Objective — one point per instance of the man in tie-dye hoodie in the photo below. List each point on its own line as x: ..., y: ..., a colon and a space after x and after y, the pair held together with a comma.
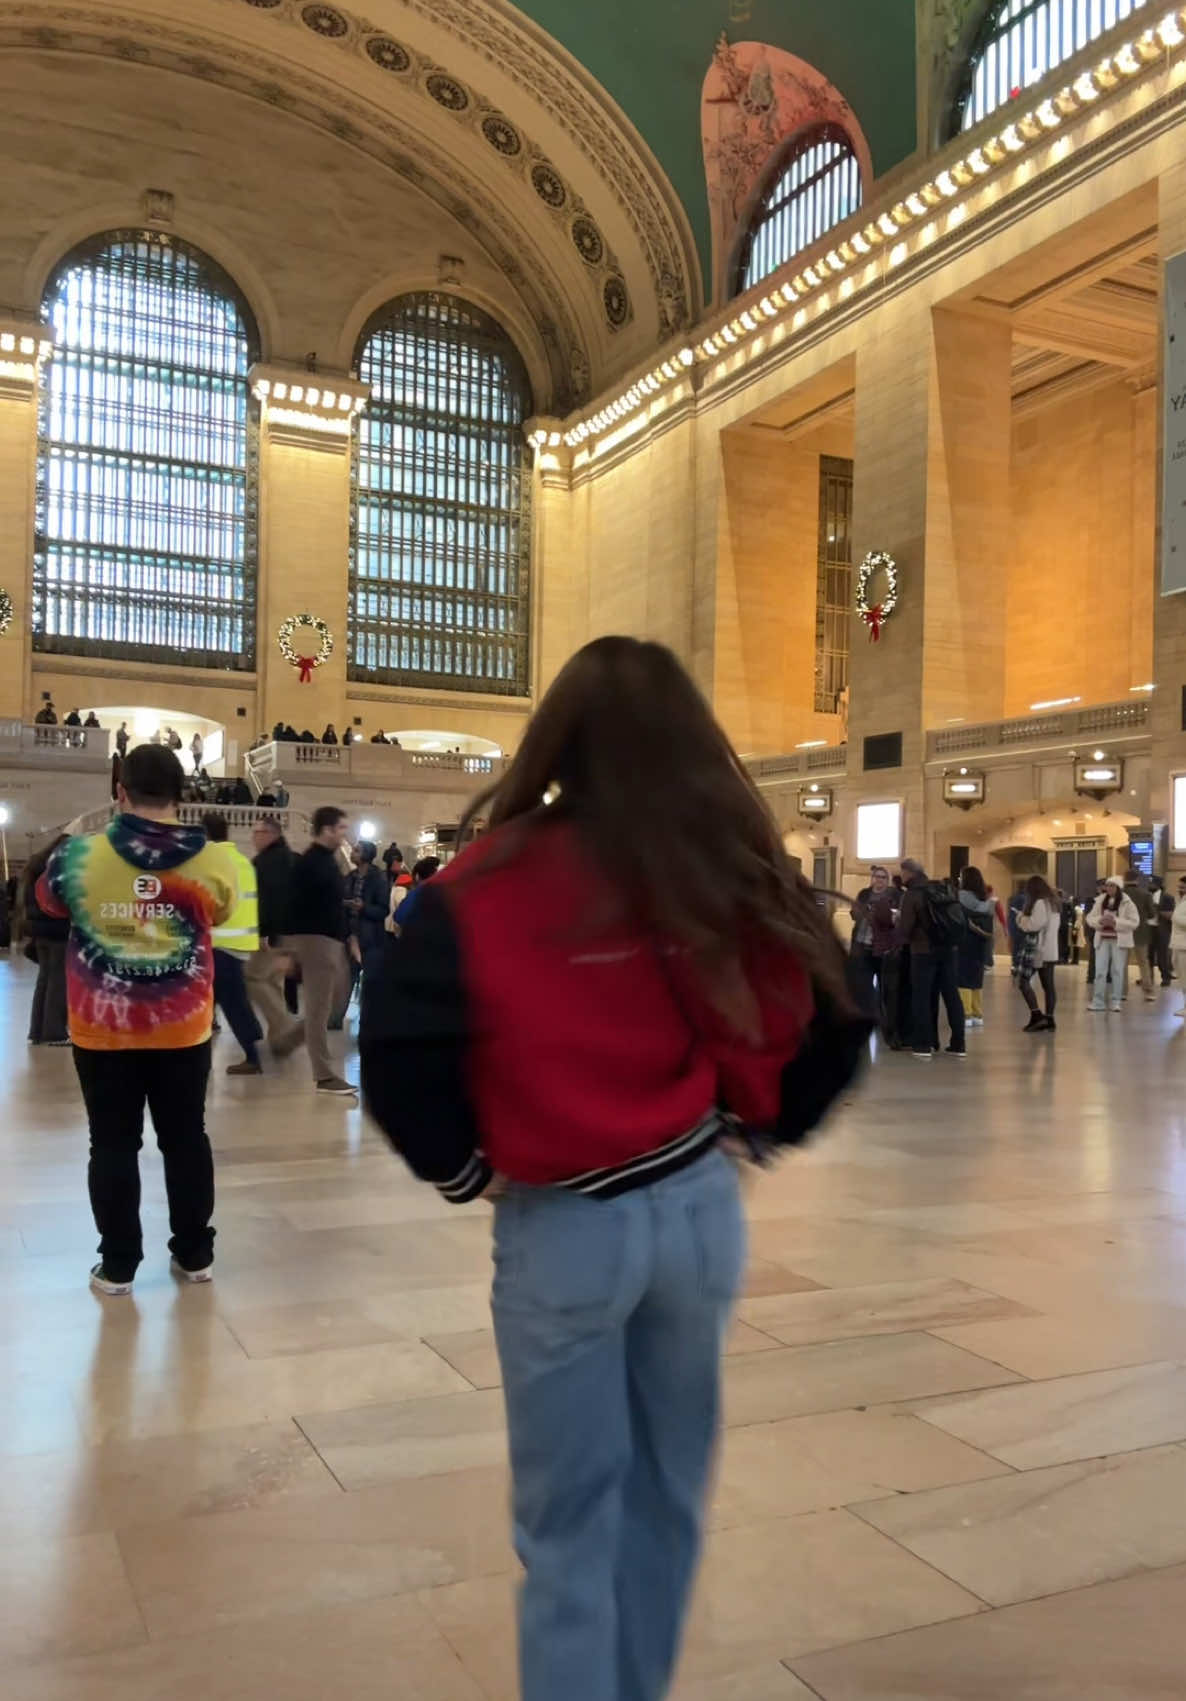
x: 142, y: 897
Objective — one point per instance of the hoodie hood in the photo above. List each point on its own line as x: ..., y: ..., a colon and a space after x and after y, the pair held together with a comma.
x: 154, y: 844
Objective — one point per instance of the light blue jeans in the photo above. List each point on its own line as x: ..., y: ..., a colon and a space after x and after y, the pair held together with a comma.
x: 610, y: 1317
x: 1109, y: 958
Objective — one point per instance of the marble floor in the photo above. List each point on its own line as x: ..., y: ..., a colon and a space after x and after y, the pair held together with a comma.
x: 956, y: 1458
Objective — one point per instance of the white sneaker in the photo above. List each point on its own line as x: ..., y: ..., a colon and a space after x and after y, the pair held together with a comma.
x: 102, y: 1283
x: 206, y: 1275
x: 921, y: 1056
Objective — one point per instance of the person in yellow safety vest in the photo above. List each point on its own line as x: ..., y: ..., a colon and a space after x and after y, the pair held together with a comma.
x: 234, y: 942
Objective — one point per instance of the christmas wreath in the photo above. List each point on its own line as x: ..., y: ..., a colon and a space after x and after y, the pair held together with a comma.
x: 5, y: 612
x: 292, y: 656
x: 875, y: 614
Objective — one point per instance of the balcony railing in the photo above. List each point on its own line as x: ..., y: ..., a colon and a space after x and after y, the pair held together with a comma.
x: 376, y: 764
x: 1127, y: 719
x: 769, y: 770
x: 28, y: 739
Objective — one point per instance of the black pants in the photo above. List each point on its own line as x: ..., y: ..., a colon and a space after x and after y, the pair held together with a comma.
x: 230, y: 994
x: 47, y: 1018
x: 1045, y: 979
x: 893, y: 979
x: 862, y: 978
x: 932, y: 977
x: 116, y: 1085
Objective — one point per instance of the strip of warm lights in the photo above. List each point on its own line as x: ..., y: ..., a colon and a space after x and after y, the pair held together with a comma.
x: 1055, y: 703
x: 1138, y: 57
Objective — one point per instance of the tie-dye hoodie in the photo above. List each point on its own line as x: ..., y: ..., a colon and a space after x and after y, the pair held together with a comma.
x: 141, y: 897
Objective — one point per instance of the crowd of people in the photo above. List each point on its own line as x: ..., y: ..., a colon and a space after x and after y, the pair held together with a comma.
x: 918, y: 944
x: 282, y: 733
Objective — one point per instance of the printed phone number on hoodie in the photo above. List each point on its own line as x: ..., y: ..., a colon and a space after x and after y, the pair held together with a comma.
x: 137, y: 912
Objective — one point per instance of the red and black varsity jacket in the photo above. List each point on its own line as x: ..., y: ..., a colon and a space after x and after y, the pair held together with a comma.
x: 507, y: 1033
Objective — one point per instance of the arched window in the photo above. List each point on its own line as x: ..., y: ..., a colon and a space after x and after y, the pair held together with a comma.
x: 146, y: 502
x: 815, y: 185
x: 1020, y: 41
x: 440, y: 535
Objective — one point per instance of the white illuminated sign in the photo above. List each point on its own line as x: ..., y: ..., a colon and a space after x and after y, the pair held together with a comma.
x: 879, y: 832
x: 1179, y: 812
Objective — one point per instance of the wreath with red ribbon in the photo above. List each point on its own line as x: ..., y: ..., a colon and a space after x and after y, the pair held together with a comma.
x: 305, y: 663
x: 875, y: 614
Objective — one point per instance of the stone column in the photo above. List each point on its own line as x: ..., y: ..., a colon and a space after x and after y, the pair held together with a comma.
x: 559, y: 572
x: 931, y: 487
x: 24, y: 344
x: 1169, y: 613
x: 306, y: 433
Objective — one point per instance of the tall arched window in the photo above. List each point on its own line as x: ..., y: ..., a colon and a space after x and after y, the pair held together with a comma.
x: 146, y: 505
x: 1020, y: 41
x: 815, y: 185
x: 439, y: 582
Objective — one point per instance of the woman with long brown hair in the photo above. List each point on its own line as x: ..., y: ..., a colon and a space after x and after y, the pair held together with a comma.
x: 1038, y: 924
x: 621, y: 975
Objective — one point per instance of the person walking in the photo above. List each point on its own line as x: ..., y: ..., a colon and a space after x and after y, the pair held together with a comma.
x: 236, y: 941
x: 1039, y: 922
x: 142, y: 898
x: 1178, y: 943
x: 1114, y: 920
x: 574, y: 1000
x: 196, y: 748
x: 366, y: 904
x: 1136, y: 888
x: 928, y: 929
x: 266, y: 969
x: 48, y: 935
x: 317, y: 939
x: 400, y: 877
x: 975, y: 948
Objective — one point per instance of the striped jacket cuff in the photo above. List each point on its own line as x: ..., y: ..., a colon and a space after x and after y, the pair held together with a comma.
x: 469, y: 1182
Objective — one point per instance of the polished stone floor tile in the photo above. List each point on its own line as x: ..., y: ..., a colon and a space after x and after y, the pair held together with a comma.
x: 415, y: 1438
x: 1044, y: 1531
x: 57, y: 1598
x: 1090, y: 1337
x: 1121, y: 1641
x: 393, y: 1539
x: 774, y: 1470
x: 381, y: 1650
x: 768, y: 1682
x: 1070, y: 1417
x: 792, y: 1381
x: 157, y: 1479
x: 886, y: 1308
x: 789, y: 1585
x: 275, y: 1330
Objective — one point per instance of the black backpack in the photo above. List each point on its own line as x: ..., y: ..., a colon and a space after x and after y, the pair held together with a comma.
x: 944, y: 917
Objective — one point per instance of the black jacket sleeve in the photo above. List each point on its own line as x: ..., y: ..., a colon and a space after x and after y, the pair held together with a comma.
x: 413, y: 1045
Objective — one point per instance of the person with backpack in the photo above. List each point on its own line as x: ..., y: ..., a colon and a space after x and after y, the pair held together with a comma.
x: 582, y: 1008
x: 1039, y: 922
x: 974, y: 951
x: 931, y: 925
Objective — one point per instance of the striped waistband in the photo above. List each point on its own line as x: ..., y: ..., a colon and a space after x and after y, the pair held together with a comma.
x: 650, y: 1166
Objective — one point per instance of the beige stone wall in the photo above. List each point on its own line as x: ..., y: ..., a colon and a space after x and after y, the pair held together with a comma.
x: 1075, y: 597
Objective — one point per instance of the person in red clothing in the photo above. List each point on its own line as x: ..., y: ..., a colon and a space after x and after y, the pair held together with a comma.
x: 623, y: 979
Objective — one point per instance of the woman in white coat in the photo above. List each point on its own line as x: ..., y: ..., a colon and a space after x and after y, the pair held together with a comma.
x: 1038, y: 924
x: 1178, y: 943
x: 1114, y: 920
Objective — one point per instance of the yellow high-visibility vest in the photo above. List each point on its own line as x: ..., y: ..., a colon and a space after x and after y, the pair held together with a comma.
x: 240, y: 930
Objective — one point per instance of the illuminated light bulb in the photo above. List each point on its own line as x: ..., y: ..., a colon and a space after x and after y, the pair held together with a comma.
x: 1047, y: 117
x: 7, y: 341
x: 833, y: 261
x: 978, y: 162
x: 280, y: 391
x: 1105, y: 74
x: 898, y: 253
x: 789, y: 293
x: 554, y: 439
x: 28, y: 346
x: 262, y: 389
x: 946, y: 185
x: 812, y: 276
x: 1169, y: 31
x: 1127, y: 62
x: 859, y: 243
x: 917, y: 205
x: 1085, y: 89
x: 1012, y: 139
x: 886, y: 225
x: 329, y: 398
x: 296, y: 392
x: 686, y: 357
x: 345, y: 403
x: 312, y: 397
x: 748, y: 320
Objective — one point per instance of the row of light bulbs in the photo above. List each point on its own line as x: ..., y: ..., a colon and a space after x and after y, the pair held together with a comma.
x: 1146, y: 50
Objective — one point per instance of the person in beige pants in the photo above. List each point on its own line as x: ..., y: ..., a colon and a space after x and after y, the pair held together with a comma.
x: 316, y: 937
x: 265, y: 969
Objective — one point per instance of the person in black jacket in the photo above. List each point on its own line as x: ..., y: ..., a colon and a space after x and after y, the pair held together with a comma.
x: 329, y: 736
x: 366, y: 915
x: 264, y: 970
x: 48, y: 934
x: 316, y: 937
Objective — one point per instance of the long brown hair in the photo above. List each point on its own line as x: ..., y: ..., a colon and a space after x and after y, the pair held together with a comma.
x: 1036, y: 889
x: 627, y: 750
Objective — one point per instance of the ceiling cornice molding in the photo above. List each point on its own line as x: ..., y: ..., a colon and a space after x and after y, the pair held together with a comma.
x: 148, y: 40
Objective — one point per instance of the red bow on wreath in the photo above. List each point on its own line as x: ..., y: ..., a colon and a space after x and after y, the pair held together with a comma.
x: 875, y: 620
x: 306, y: 665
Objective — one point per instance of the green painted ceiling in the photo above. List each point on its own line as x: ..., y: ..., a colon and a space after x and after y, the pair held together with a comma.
x: 652, y: 56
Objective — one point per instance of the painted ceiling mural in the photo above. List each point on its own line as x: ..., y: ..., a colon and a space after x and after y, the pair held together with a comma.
x: 652, y: 57
x: 755, y: 97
